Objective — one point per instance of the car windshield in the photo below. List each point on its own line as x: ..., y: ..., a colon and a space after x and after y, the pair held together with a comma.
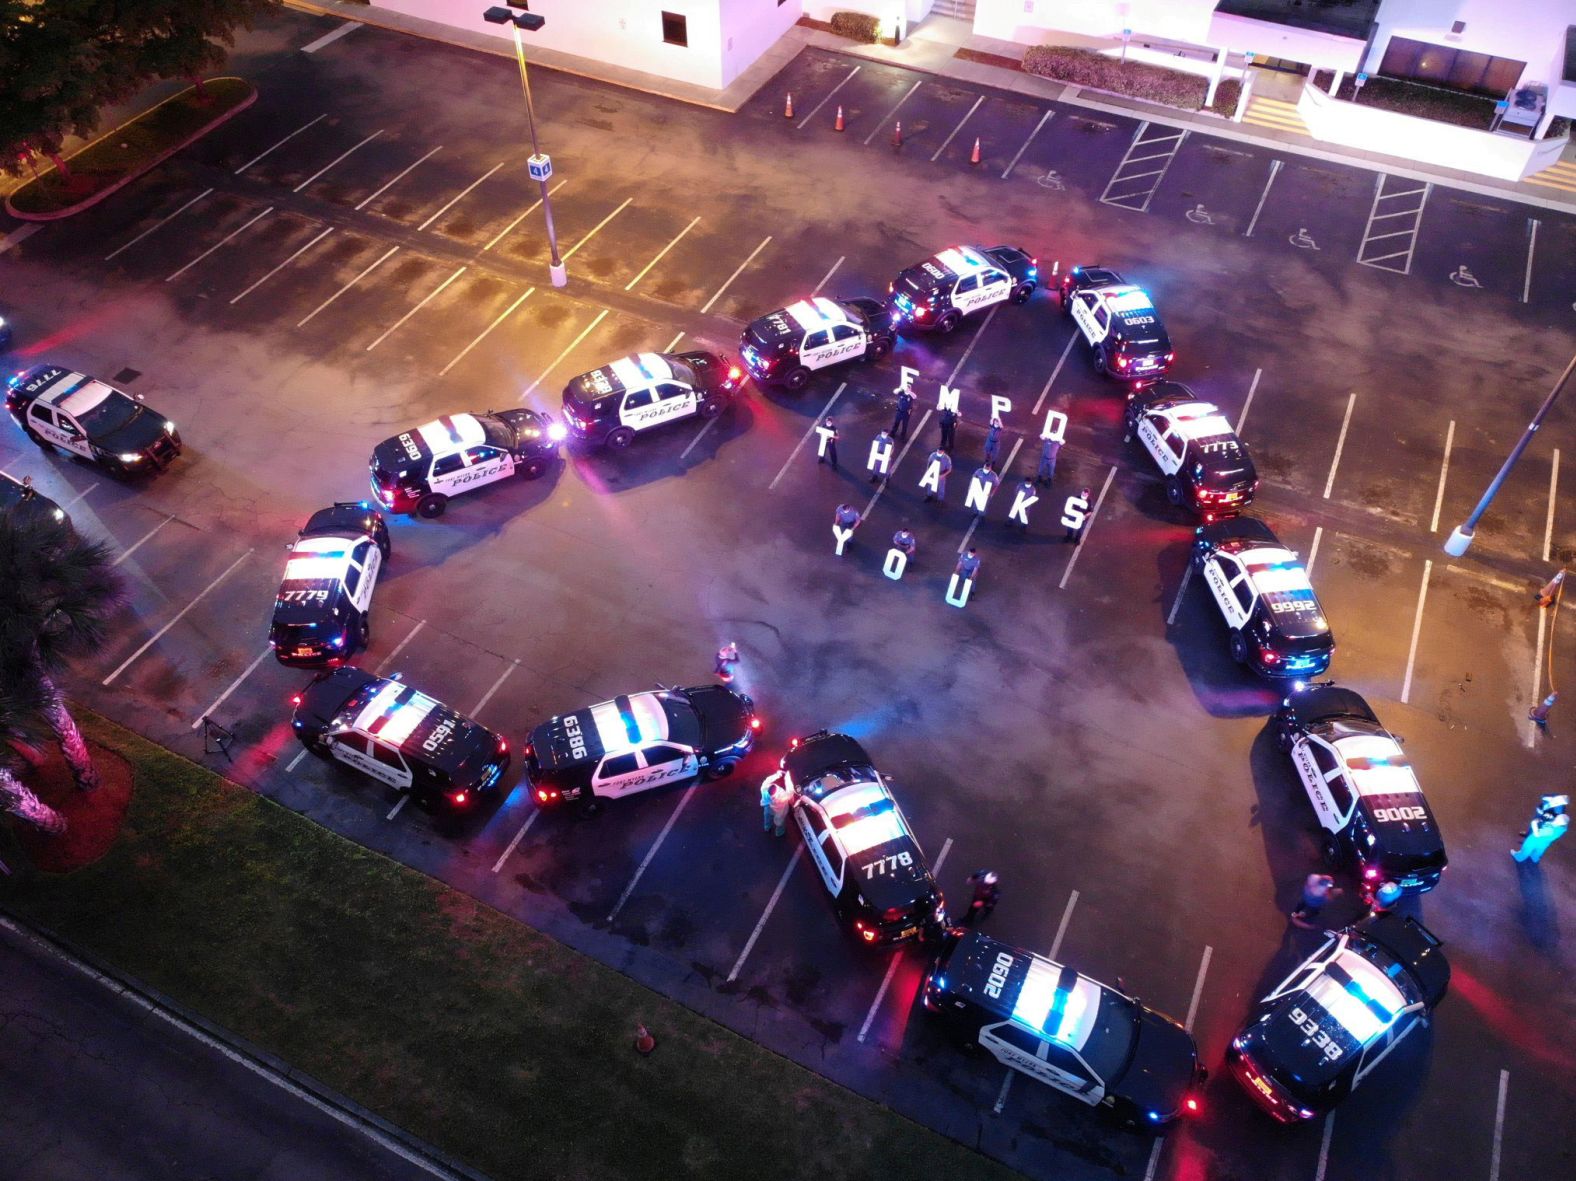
x: 114, y: 412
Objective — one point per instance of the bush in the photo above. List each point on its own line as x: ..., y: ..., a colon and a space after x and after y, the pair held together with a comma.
x: 1226, y: 96
x: 1558, y: 127
x: 1414, y: 98
x: 1084, y: 67
x: 857, y: 26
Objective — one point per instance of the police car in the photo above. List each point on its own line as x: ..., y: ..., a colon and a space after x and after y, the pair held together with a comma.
x: 323, y: 611
x: 22, y: 502
x: 861, y: 843
x: 1064, y: 1029
x: 1323, y: 1030
x: 1206, y: 467
x: 390, y: 732
x: 933, y: 296
x: 1277, y: 627
x: 1362, y: 787
x: 56, y: 407
x: 611, y: 405
x: 635, y: 743
x: 786, y: 346
x: 1119, y: 322
x: 419, y: 470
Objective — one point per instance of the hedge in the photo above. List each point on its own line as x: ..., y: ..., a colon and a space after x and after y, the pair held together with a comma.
x: 857, y: 26
x: 1084, y: 67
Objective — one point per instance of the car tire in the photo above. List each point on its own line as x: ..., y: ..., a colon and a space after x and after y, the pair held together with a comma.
x: 1175, y: 493
x: 713, y: 406
x: 879, y: 347
x: 798, y: 377
x: 1064, y: 301
x: 319, y: 750
x: 1239, y: 647
x: 1283, y: 738
x: 619, y: 438
x: 721, y: 769
x: 588, y: 807
x: 533, y: 468
x: 1100, y: 365
x: 1021, y: 293
x: 948, y: 323
x: 1330, y: 849
x: 432, y: 505
x: 364, y: 632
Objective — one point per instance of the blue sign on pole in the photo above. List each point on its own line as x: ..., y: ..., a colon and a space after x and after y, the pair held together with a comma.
x: 540, y: 167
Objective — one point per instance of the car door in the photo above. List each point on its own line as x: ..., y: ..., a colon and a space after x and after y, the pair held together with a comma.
x: 1032, y: 1053
x: 674, y: 401
x: 665, y: 763
x: 638, y: 410
x: 370, y: 758
x: 616, y: 775
x: 484, y: 464
x: 1085, y: 304
x: 995, y: 286
x: 366, y: 560
x: 812, y: 823
x: 447, y: 475
x: 816, y: 351
x: 1339, y: 800
x: 1157, y: 434
x: 1220, y: 572
x: 966, y: 294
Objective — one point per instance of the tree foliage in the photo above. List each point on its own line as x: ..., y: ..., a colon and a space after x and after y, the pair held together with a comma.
x: 63, y: 61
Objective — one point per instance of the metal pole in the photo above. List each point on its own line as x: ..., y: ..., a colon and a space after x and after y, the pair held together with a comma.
x: 559, y: 272
x: 1461, y: 537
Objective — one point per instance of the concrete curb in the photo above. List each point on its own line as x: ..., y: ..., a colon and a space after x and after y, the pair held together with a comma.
x: 57, y: 214
x: 259, y: 1061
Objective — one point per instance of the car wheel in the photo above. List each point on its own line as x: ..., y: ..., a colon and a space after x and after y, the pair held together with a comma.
x: 1283, y: 738
x: 533, y: 469
x: 620, y: 437
x: 1330, y: 849
x: 588, y: 807
x: 1174, y: 491
x: 879, y: 348
x: 319, y: 749
x: 797, y: 379
x: 948, y: 323
x: 385, y: 549
x: 1100, y: 365
x: 713, y: 406
x: 1021, y: 293
x: 721, y: 769
x: 432, y: 504
x: 1239, y: 647
x: 364, y: 632
x: 1064, y: 301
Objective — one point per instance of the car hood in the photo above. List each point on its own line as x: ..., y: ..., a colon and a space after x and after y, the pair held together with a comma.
x: 1162, y: 1068
x: 139, y: 432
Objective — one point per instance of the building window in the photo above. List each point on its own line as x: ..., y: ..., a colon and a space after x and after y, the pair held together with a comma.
x: 675, y: 28
x: 1459, y: 27
x: 1457, y: 69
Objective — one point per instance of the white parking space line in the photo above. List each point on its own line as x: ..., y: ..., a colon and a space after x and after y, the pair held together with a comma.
x: 400, y: 647
x: 569, y: 348
x: 828, y: 97
x: 1088, y: 525
x: 181, y: 614
x: 136, y: 545
x: 398, y: 176
x: 897, y: 956
x: 1055, y: 373
x: 529, y: 209
x: 313, y: 313
x: 1499, y: 1126
x: 234, y: 685
x: 482, y: 335
x: 1324, y: 1147
x: 425, y: 300
x: 1444, y: 470
x: 1001, y: 1095
x: 291, y: 766
x: 19, y: 235
x: 283, y: 265
x: 882, y: 122
x: 330, y: 38
x: 1018, y: 155
x: 677, y: 238
x: 1548, y: 524
x: 1252, y: 389
x: 518, y: 837
x: 1198, y: 988
x: 689, y: 794
x: 1380, y: 261
x: 90, y: 487
x: 914, y: 435
x: 1176, y: 604
x: 974, y: 524
x: 1154, y: 1158
x: 699, y: 435
x: 1532, y: 246
x: 1340, y: 444
x: 1417, y: 628
x: 336, y: 160
x: 270, y: 151
x: 957, y: 129
x: 395, y: 810
x: 496, y: 685
x: 568, y: 253
x: 674, y: 343
x: 162, y: 221
x: 1313, y: 551
x: 1529, y: 734
x: 455, y: 200
x: 764, y: 243
x: 805, y: 438
x: 1124, y: 178
x: 771, y: 905
x: 827, y: 278
x: 1275, y: 167
x: 1061, y: 928
x: 221, y: 242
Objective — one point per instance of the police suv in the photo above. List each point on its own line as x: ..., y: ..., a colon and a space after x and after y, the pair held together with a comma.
x: 1207, y: 469
x: 861, y: 843
x: 22, y: 502
x: 786, y: 346
x: 388, y: 731
x: 635, y: 743
x: 1277, y: 627
x: 1323, y: 1030
x: 1119, y: 322
x: 1362, y: 787
x: 1062, y: 1028
x: 56, y: 407
x: 933, y: 296
x: 611, y: 405
x: 323, y: 611
x: 419, y: 470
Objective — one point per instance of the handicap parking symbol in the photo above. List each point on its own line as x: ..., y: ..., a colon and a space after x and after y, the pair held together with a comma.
x: 1052, y: 181
x: 1462, y: 277
x: 1302, y: 241
x: 1199, y: 216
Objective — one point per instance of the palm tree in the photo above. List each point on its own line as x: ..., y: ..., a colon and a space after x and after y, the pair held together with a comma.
x: 21, y: 712
x: 55, y: 601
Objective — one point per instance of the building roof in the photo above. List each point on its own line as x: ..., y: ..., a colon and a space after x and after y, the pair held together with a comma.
x: 1341, y: 18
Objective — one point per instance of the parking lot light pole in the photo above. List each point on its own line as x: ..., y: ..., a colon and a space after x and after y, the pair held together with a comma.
x: 1461, y: 536
x: 540, y: 165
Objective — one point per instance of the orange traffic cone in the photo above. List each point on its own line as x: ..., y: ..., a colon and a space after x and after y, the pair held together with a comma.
x: 974, y: 156
x: 838, y: 126
x: 788, y: 106
x: 897, y: 134
x: 644, y: 1042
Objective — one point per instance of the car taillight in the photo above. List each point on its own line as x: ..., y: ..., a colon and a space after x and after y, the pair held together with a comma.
x: 503, y: 745
x: 458, y: 798
x: 1268, y: 657
x: 1191, y: 1105
x: 546, y: 794
x: 1371, y: 873
x: 755, y: 723
x: 793, y: 744
x: 295, y: 699
x: 734, y: 373
x: 1170, y: 357
x: 1121, y: 362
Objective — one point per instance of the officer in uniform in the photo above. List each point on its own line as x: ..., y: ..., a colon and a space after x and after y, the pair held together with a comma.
x: 1548, y: 825
x: 949, y: 426
x: 993, y: 442
x: 1046, y: 472
x: 940, y: 458
x: 986, y: 476
x: 903, y: 540
x: 987, y: 893
x: 905, y: 406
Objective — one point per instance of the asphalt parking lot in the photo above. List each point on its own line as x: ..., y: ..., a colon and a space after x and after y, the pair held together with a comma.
x: 362, y: 250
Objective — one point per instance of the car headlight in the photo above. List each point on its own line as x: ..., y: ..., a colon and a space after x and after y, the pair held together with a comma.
x: 169, y: 427
x: 130, y: 457
x: 557, y: 432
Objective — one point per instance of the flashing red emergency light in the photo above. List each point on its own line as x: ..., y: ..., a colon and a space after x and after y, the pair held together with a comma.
x: 755, y: 723
x: 734, y: 373
x: 295, y: 699
x: 1191, y: 1104
x: 459, y: 797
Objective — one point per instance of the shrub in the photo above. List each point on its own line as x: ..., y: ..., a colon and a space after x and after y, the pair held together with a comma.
x: 1558, y: 127
x: 1226, y: 96
x: 857, y: 26
x: 1084, y: 67
x: 1414, y: 98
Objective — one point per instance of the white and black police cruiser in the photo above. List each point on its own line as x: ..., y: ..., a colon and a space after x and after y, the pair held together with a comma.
x: 56, y: 407
x: 935, y: 295
x: 323, y: 611
x: 1323, y: 1030
x: 1262, y: 590
x: 861, y: 843
x: 1369, y: 803
x: 1064, y: 1029
x: 22, y: 502
x: 1207, y: 469
x: 420, y: 470
x: 635, y: 743
x: 786, y: 346
x: 611, y: 405
x: 390, y: 732
x: 1119, y: 322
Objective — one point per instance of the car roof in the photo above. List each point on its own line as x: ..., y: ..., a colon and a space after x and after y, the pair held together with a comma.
x: 1197, y: 421
x: 626, y: 722
x: 1376, y: 765
x: 1038, y: 992
x: 799, y: 318
x: 636, y: 371
x: 864, y: 816
x: 1321, y: 702
x: 1238, y: 533
x: 420, y: 726
x: 951, y: 263
x: 78, y: 399
x: 1096, y: 276
x: 314, y: 558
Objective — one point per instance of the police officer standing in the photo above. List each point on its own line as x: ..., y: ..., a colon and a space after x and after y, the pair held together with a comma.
x: 903, y: 540
x: 1548, y: 825
x: 1077, y: 507
x: 987, y: 893
x: 1024, y: 493
x: 943, y: 464
x: 993, y: 442
x: 949, y: 427
x: 846, y: 517
x: 985, y: 476
x: 905, y: 406
x: 881, y: 445
x: 1049, y: 450
x: 968, y: 564
x: 829, y: 452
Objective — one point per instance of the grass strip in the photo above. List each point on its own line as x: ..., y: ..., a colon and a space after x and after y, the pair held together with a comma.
x: 476, y: 1033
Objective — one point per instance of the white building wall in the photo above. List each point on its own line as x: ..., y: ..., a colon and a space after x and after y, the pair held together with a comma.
x: 913, y: 11
x: 1532, y: 31
x: 1024, y: 20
